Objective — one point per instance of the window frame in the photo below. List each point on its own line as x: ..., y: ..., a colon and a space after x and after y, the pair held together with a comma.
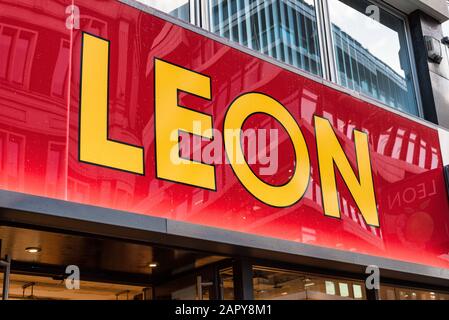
x: 330, y: 55
x: 328, y: 62
x: 200, y: 15
x: 205, y: 24
x: 336, y: 277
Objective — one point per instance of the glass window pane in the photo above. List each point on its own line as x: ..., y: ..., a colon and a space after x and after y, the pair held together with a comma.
x: 344, y: 289
x: 330, y: 287
x: 275, y: 284
x: 278, y: 285
x: 283, y: 29
x: 371, y: 53
x: 387, y: 293
x: 177, y: 8
x: 402, y: 293
x: 357, y: 291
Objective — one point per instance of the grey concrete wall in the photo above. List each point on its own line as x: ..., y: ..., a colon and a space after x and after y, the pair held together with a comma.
x: 436, y: 9
x: 433, y: 77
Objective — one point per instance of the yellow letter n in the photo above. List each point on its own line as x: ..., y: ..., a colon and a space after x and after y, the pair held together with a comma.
x: 94, y: 145
x: 331, y: 155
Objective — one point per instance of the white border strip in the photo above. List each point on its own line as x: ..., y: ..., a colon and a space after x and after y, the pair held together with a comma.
x: 444, y: 145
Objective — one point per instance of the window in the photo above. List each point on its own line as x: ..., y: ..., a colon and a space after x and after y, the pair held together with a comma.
x: 275, y: 284
x: 61, y: 72
x: 177, y: 8
x: 283, y: 29
x: 226, y: 283
x: 12, y: 154
x: 358, y: 44
x: 399, y: 293
x: 371, y: 53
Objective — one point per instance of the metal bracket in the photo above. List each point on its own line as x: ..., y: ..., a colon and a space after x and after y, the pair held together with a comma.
x: 445, y: 41
x: 434, y: 51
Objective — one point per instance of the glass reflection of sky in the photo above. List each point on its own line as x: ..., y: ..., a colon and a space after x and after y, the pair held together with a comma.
x: 380, y: 40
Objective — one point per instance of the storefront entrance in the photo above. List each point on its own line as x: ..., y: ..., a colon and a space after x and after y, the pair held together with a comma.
x: 45, y: 265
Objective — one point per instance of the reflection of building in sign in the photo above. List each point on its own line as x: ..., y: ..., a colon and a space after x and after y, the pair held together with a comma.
x: 18, y: 47
x: 412, y: 193
x: 30, y: 117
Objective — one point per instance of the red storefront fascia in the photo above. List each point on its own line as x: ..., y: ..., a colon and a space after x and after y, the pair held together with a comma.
x: 87, y: 117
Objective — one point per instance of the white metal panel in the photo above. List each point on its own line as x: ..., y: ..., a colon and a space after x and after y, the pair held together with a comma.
x: 444, y: 145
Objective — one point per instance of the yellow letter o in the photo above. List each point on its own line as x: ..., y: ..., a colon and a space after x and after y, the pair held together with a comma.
x: 275, y: 196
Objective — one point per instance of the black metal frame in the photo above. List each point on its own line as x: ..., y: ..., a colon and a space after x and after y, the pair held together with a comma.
x: 343, y: 274
x: 422, y: 66
x: 243, y: 279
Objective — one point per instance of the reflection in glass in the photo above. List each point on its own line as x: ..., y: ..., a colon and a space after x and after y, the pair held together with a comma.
x: 227, y: 283
x: 344, y: 289
x: 371, y: 55
x: 446, y: 26
x: 283, y: 29
x: 274, y: 284
x: 330, y: 287
x: 399, y: 293
x: 177, y: 8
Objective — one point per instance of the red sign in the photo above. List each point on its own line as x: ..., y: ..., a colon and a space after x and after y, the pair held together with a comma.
x: 135, y: 113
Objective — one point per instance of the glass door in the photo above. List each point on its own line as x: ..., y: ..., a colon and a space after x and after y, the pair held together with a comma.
x: 211, y: 282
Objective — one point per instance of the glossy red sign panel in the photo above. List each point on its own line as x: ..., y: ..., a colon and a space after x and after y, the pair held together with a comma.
x: 38, y: 156
x: 34, y: 76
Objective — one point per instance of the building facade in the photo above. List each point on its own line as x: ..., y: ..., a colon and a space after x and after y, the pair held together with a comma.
x: 224, y: 149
